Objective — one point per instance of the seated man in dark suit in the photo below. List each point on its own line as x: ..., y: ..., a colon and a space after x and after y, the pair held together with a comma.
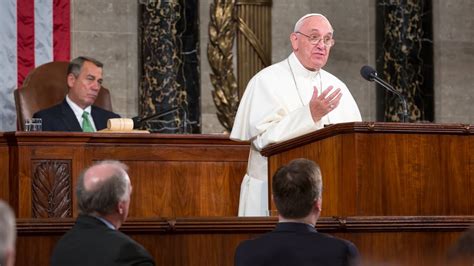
x: 297, y: 195
x: 77, y: 112
x: 103, y: 196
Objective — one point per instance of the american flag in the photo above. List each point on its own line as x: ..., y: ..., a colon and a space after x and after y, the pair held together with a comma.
x: 32, y: 32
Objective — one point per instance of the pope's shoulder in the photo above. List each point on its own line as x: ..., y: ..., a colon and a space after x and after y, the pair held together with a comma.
x: 279, y: 68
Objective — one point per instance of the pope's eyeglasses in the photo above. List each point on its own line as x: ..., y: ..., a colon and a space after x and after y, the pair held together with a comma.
x: 315, y: 39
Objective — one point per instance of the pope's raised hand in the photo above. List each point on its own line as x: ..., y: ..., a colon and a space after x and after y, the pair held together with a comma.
x: 321, y: 105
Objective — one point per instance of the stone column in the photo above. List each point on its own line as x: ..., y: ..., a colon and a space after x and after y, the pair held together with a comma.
x: 405, y: 58
x: 170, y: 73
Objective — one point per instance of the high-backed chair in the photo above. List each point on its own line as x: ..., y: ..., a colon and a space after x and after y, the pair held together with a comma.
x: 46, y: 86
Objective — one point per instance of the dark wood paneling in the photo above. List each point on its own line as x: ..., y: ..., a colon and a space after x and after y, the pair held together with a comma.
x: 185, y: 188
x: 212, y: 241
x: 4, y: 168
x: 172, y: 175
x: 388, y: 168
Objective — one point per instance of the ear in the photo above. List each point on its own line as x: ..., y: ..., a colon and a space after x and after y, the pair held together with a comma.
x: 294, y: 41
x: 318, y: 204
x: 70, y: 80
x: 120, y: 207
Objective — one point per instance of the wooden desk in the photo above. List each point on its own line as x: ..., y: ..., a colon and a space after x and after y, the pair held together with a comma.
x: 172, y: 175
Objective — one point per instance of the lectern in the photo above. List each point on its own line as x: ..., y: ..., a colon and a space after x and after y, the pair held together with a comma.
x: 397, y: 179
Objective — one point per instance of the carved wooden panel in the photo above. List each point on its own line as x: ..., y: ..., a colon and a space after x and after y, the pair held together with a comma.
x: 51, y: 188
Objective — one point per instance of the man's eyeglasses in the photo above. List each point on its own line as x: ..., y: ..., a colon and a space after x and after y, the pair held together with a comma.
x: 315, y: 39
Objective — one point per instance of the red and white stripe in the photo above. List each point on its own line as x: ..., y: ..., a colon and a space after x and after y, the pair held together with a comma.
x: 43, y: 33
x: 32, y: 32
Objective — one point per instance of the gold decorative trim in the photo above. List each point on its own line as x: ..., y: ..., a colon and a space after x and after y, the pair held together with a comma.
x: 219, y: 53
x: 254, y: 2
x: 253, y: 40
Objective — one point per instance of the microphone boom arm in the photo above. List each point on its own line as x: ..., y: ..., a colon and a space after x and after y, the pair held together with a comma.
x: 390, y: 88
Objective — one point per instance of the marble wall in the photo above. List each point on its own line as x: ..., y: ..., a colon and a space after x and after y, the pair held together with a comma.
x: 107, y: 30
x: 453, y: 35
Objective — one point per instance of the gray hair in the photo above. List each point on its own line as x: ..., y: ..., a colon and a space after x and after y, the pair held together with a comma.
x: 104, y: 198
x: 300, y: 21
x: 7, y: 231
x: 76, y: 64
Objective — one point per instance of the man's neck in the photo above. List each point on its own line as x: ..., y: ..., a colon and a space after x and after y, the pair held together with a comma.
x: 111, y: 219
x: 310, y: 220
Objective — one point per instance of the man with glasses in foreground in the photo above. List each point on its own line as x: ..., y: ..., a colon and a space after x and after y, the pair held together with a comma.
x: 289, y: 99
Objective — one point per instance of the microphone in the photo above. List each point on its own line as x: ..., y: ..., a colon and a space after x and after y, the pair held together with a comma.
x: 138, y: 121
x: 370, y: 74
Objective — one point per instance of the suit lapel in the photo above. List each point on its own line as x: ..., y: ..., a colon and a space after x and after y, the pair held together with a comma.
x: 69, y: 118
x: 98, y: 121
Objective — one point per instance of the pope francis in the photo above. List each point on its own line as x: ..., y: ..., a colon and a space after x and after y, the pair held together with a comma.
x: 289, y: 99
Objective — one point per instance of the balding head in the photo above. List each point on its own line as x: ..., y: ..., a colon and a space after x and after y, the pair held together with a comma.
x: 7, y: 234
x: 102, y: 187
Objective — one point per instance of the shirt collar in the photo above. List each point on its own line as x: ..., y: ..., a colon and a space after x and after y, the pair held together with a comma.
x: 76, y: 109
x: 300, y: 70
x: 109, y: 225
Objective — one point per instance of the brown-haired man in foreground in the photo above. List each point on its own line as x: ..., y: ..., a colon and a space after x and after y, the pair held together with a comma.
x: 297, y: 195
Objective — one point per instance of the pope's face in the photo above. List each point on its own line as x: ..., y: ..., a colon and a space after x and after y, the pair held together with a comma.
x: 312, y: 56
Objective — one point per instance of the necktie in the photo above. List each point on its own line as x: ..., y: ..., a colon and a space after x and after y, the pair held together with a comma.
x: 86, y: 124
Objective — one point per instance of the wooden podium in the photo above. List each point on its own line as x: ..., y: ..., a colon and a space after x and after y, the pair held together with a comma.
x: 412, y: 183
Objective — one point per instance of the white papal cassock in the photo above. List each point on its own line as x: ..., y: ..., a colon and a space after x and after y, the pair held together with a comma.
x: 275, y: 108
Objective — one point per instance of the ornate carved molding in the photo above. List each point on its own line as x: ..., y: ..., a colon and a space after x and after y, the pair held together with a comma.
x: 51, y: 189
x: 254, y: 39
x: 253, y: 49
x: 219, y: 52
x: 255, y: 42
x: 263, y: 224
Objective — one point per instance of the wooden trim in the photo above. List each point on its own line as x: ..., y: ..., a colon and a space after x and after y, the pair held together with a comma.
x: 261, y: 224
x: 368, y: 128
x: 47, y: 137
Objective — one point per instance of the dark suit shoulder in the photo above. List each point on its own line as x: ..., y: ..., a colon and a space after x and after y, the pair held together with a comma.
x: 296, y: 247
x: 104, y: 112
x: 341, y: 243
x: 50, y: 111
x: 59, y: 117
x: 101, y: 116
x: 91, y: 242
